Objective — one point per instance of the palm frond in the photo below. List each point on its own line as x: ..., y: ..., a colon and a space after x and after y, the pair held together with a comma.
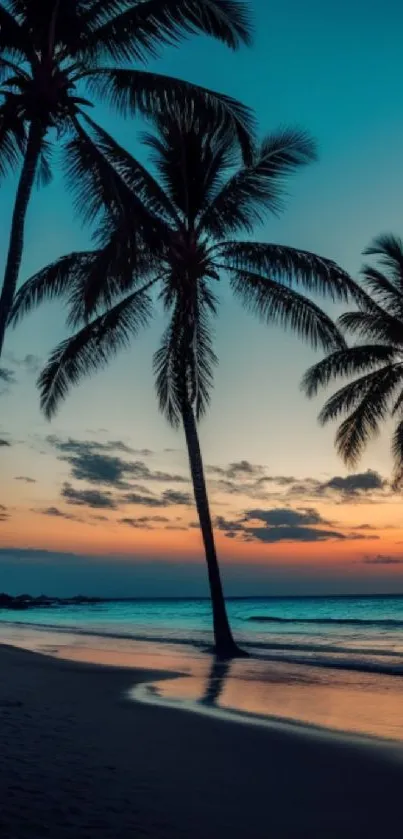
x: 389, y: 249
x: 92, y: 348
x: 258, y: 188
x: 98, y: 12
x: 375, y: 325
x: 57, y: 280
x: 184, y: 363
x: 136, y: 176
x: 12, y: 137
x: 386, y: 293
x: 116, y: 268
x: 141, y: 30
x: 346, y: 362
x: 280, y: 305
x: 373, y: 393
x: 14, y: 37
x: 95, y: 185
x: 190, y: 155
x: 133, y: 92
x: 52, y: 25
x: 44, y: 172
x: 397, y: 453
x: 289, y: 266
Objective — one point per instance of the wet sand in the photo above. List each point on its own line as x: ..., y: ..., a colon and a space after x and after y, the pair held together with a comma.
x: 78, y: 759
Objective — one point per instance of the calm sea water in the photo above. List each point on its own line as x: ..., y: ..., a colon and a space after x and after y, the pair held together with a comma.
x: 350, y: 632
x: 330, y: 662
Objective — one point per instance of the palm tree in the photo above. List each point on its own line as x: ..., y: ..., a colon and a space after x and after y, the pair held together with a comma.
x: 376, y: 362
x: 54, y: 54
x: 203, y: 198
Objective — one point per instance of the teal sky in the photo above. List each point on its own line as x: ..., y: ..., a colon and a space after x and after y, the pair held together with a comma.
x: 335, y: 69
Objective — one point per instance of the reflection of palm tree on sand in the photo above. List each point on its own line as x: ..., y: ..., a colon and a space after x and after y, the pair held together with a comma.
x: 203, y: 198
x: 219, y: 672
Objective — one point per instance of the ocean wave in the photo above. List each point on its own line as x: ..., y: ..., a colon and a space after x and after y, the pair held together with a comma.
x: 335, y: 657
x: 381, y: 622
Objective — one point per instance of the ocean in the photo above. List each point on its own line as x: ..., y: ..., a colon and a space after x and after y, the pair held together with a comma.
x: 332, y: 662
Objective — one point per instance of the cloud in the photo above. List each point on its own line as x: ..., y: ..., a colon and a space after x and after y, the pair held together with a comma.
x: 4, y: 443
x: 238, y: 469
x: 283, y: 524
x: 285, y: 516
x: 3, y: 513
x: 56, y: 513
x: 91, y: 461
x: 146, y: 499
x: 30, y: 363
x: 169, y: 498
x: 383, y: 559
x: 352, y: 485
x: 7, y: 376
x: 175, y: 527
x: 222, y: 523
x: 144, y: 522
x: 25, y: 479
x: 53, y: 511
x: 135, y: 523
x: 287, y: 533
x: 88, y: 497
x: 173, y: 497
x: 367, y: 527
x: 245, y: 479
x: 72, y: 446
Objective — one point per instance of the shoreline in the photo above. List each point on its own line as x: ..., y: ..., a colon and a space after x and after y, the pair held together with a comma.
x: 81, y: 759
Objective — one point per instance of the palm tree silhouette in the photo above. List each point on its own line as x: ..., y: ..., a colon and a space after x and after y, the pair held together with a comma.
x: 54, y: 54
x: 378, y: 391
x: 204, y: 197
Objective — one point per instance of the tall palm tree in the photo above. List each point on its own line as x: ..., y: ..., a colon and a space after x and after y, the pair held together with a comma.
x: 203, y: 199
x: 376, y: 361
x: 54, y: 54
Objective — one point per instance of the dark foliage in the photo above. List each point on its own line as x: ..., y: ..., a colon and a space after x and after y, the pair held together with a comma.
x: 377, y: 393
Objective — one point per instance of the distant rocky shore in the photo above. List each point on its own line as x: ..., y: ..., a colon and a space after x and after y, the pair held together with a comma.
x: 26, y: 601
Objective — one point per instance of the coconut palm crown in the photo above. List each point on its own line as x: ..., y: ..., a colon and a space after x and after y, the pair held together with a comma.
x: 58, y: 57
x: 375, y: 362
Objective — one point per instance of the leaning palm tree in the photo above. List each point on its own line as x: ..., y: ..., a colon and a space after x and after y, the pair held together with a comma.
x: 201, y: 200
x: 376, y: 361
x: 57, y: 55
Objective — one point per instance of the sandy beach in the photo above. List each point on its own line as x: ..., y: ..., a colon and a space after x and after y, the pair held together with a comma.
x: 80, y: 760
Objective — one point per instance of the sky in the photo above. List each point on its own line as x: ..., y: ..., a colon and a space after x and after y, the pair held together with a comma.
x: 99, y: 501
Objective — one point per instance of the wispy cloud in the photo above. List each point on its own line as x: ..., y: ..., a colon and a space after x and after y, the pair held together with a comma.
x: 238, y: 469
x: 30, y: 363
x: 93, y: 462
x: 88, y: 497
x: 56, y: 513
x: 382, y: 559
x: 144, y: 522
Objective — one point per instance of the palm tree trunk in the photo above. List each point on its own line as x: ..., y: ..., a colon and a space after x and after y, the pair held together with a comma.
x: 14, y: 256
x: 225, y: 645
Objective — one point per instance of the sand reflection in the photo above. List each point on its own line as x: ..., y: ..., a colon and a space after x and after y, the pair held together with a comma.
x: 359, y: 703
x: 342, y: 700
